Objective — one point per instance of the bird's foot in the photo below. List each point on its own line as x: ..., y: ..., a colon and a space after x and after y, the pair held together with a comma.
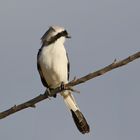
x: 49, y: 92
x: 62, y: 87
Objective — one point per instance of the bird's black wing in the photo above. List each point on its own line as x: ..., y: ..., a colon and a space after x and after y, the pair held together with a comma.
x: 68, y: 67
x: 40, y: 71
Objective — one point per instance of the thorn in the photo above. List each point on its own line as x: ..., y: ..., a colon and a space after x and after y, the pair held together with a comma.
x: 74, y: 90
x: 115, y: 60
x: 14, y: 107
x: 73, y: 79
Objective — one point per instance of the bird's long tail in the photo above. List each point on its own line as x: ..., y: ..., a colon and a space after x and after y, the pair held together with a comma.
x: 77, y: 115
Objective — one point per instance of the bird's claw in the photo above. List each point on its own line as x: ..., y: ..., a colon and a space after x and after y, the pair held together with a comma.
x: 62, y: 87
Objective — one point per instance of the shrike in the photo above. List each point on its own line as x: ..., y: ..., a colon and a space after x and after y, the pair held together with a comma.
x: 53, y: 67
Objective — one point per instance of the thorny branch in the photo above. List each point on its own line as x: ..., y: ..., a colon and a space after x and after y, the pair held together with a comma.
x: 47, y: 94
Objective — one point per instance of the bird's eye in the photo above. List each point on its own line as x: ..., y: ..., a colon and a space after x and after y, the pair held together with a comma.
x: 64, y: 33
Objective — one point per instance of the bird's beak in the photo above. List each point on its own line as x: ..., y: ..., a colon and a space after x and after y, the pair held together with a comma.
x: 68, y: 36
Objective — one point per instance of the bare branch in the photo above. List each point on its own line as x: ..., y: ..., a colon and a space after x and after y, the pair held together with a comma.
x: 102, y: 71
x: 47, y: 94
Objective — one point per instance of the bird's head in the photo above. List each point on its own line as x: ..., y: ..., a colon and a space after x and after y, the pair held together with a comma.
x: 53, y: 34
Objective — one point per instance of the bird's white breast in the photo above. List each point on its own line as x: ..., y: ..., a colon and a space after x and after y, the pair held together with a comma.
x: 53, y: 62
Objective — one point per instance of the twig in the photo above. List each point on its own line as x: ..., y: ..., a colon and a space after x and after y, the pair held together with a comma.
x: 32, y: 102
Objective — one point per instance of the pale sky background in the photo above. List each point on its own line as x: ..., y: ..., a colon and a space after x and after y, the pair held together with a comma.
x: 101, y: 31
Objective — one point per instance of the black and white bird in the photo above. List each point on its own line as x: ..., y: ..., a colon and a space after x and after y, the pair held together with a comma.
x: 53, y: 66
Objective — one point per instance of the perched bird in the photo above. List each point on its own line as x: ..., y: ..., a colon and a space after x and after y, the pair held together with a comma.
x: 53, y: 66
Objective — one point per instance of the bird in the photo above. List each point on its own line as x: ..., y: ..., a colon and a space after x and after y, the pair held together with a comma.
x: 54, y: 69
